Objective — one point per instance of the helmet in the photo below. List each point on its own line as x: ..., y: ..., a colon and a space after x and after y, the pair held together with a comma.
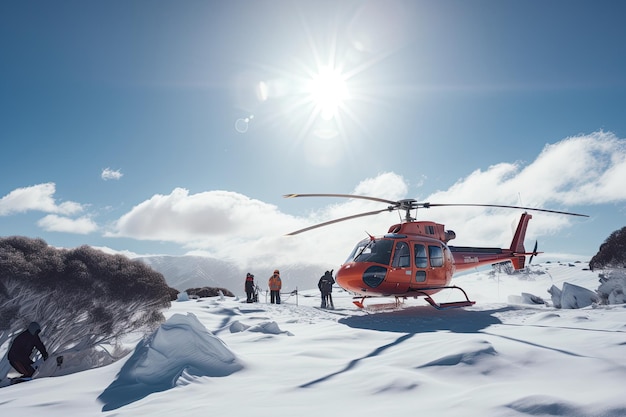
x: 34, y: 328
x: 276, y: 271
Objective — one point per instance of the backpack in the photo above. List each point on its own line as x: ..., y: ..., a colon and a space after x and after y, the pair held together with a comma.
x: 327, y: 284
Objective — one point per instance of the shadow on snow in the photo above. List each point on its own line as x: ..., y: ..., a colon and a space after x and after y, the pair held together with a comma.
x: 424, y: 319
x: 411, y: 321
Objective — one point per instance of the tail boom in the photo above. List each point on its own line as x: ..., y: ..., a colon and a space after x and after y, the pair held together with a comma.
x: 471, y: 257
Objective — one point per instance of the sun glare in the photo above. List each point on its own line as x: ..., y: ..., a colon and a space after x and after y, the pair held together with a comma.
x: 328, y: 91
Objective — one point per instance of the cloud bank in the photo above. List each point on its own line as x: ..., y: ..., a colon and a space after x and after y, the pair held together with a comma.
x: 570, y: 175
x: 577, y: 171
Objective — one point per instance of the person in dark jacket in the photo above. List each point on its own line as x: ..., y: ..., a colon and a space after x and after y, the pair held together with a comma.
x: 22, y: 347
x: 250, y: 288
x: 325, y: 285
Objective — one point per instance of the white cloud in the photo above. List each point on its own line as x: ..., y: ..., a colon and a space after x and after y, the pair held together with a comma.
x: 54, y: 223
x: 582, y: 170
x: 231, y: 225
x: 586, y: 169
x: 387, y: 185
x: 109, y: 174
x: 36, y: 198
x: 183, y: 218
x: 577, y: 171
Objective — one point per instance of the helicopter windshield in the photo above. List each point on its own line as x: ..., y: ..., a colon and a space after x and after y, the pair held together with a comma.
x: 372, y: 250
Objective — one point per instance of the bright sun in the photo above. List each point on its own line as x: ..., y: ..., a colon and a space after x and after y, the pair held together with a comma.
x: 328, y: 91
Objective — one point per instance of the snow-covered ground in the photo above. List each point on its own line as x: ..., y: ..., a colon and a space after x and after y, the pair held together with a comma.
x: 223, y: 357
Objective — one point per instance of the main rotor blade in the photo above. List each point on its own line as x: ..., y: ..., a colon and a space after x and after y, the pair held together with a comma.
x: 427, y: 205
x: 369, y: 213
x: 362, y: 197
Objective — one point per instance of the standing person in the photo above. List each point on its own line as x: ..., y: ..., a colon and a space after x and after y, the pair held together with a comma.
x: 325, y: 285
x: 249, y: 288
x: 22, y: 347
x: 275, y: 285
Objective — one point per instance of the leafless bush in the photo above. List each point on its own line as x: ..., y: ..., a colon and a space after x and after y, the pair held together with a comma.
x: 83, y: 298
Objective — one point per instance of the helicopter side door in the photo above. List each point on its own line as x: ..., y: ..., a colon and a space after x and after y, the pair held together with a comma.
x: 421, y: 262
x: 425, y: 264
x: 432, y: 261
x: 401, y: 266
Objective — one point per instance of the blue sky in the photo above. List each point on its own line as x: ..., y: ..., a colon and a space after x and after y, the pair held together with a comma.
x: 176, y: 127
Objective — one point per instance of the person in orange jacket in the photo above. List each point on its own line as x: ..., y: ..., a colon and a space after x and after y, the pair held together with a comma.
x: 275, y: 285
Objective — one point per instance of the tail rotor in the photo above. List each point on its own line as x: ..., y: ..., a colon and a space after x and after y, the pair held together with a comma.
x: 534, y: 252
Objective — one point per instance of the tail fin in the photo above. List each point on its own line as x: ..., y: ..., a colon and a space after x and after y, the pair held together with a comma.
x: 517, y: 244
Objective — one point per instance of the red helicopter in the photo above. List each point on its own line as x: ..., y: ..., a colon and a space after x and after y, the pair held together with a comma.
x: 414, y: 259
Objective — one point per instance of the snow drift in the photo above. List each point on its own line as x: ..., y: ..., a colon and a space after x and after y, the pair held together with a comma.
x: 494, y: 359
x: 181, y: 346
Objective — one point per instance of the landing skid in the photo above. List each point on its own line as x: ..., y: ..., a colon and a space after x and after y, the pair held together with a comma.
x: 452, y: 304
x: 358, y: 303
x: 361, y: 303
x: 422, y: 293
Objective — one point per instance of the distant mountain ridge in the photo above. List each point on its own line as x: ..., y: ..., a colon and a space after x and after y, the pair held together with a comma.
x: 183, y: 272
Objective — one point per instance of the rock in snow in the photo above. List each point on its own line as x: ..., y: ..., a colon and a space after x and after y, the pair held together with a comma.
x: 572, y: 296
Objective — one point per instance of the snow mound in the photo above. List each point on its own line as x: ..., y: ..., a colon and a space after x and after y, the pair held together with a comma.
x: 269, y: 327
x: 464, y: 358
x: 573, y: 296
x: 180, y: 345
x: 526, y: 298
x: 238, y: 327
x: 543, y: 405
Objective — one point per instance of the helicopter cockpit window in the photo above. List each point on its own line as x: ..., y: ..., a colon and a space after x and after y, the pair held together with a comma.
x: 358, y: 248
x: 421, y: 261
x: 376, y: 250
x: 402, y: 256
x: 436, y: 256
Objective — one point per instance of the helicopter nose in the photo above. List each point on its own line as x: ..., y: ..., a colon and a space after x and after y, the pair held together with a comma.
x: 359, y: 277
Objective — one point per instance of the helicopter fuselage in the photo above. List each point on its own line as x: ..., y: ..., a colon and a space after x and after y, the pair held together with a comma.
x: 414, y: 259
x: 397, y: 264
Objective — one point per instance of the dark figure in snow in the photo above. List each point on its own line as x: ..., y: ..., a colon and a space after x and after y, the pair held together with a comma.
x: 325, y: 285
x: 250, y: 296
x: 275, y: 285
x: 22, y: 347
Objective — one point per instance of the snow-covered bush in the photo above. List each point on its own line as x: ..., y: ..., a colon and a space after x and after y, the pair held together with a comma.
x: 83, y: 298
x: 502, y: 268
x: 612, y: 253
x: 611, y: 259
